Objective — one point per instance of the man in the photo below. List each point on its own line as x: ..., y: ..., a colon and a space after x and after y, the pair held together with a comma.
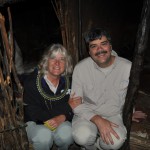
x: 101, y: 80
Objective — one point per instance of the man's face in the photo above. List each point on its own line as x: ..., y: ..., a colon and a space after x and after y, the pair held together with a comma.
x: 100, y: 51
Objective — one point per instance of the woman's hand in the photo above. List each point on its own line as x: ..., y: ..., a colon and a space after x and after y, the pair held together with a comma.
x: 55, y: 122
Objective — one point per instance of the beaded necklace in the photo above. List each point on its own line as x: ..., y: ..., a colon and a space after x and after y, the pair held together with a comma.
x: 47, y: 96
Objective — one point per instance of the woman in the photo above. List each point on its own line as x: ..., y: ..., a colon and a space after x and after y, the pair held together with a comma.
x: 48, y: 113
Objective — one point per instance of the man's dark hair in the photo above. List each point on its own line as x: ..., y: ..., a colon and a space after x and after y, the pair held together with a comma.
x: 94, y: 34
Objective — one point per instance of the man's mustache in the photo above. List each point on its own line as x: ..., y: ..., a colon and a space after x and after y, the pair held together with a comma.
x: 100, y: 52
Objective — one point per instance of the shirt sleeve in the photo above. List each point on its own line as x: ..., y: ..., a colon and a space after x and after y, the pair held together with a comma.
x: 82, y: 110
x: 124, y: 84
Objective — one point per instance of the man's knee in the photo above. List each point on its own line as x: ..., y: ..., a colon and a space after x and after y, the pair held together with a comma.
x: 117, y: 142
x: 83, y: 135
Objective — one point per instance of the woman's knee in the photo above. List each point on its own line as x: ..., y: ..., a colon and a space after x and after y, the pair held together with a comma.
x: 43, y: 136
x: 63, y: 135
x: 39, y: 135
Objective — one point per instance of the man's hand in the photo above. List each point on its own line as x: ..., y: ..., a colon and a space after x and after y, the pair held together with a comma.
x: 74, y: 101
x: 105, y: 128
x: 138, y: 116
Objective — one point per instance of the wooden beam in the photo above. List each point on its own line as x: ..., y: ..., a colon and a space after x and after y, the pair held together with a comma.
x: 137, y: 66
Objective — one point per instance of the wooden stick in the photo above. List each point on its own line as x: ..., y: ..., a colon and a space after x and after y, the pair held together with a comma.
x: 137, y: 66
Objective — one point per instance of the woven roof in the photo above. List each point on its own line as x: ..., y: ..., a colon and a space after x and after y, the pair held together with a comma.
x: 2, y: 2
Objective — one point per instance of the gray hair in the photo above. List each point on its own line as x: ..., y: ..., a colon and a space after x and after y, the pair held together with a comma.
x: 51, y: 52
x: 96, y: 33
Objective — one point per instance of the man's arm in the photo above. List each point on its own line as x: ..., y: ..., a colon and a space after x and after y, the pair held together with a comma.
x: 77, y: 88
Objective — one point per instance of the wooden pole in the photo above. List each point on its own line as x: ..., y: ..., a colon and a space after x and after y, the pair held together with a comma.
x: 137, y: 66
x: 12, y: 128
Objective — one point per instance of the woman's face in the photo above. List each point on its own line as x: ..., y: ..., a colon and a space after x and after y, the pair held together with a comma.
x: 56, y: 65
